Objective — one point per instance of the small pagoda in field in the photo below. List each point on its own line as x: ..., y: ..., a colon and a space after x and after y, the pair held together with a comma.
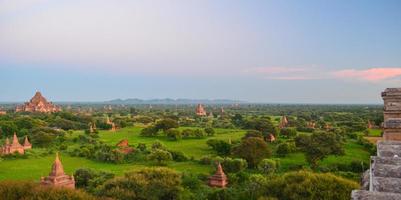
x: 219, y: 179
x: 112, y: 124
x: 15, y: 146
x: 283, y: 122
x: 57, y: 177
x: 124, y: 147
x: 200, y: 110
x: 38, y: 103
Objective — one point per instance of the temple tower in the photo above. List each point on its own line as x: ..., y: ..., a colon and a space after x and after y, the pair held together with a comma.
x: 219, y: 179
x: 200, y: 110
x: 57, y: 177
x: 392, y: 114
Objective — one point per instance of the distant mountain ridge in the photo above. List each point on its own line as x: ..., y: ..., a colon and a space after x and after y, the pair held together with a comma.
x: 173, y: 101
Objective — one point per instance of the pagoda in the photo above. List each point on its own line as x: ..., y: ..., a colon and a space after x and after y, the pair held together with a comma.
x: 219, y: 179
x: 57, y: 177
x: 38, y: 103
x: 392, y: 114
x: 15, y: 146
x: 283, y: 122
x: 112, y: 124
x: 124, y: 147
x: 200, y: 111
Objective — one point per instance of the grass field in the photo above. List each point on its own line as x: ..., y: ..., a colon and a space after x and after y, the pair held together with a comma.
x: 34, y: 167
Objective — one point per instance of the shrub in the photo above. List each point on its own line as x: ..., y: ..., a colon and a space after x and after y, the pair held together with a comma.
x: 268, y: 166
x: 178, y: 156
x: 220, y: 146
x: 209, y: 131
x: 160, y: 156
x: 234, y: 165
x: 173, y: 134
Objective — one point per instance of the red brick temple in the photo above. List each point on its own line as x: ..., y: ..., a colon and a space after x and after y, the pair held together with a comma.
x: 57, y: 177
x: 200, y: 111
x: 124, y: 147
x: 112, y: 124
x: 38, y: 104
x: 219, y: 179
x: 15, y: 146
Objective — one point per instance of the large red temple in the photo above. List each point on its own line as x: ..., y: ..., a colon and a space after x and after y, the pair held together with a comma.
x: 38, y: 103
x: 57, y: 177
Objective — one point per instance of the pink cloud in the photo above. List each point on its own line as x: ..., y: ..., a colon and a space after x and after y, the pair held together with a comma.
x: 373, y: 74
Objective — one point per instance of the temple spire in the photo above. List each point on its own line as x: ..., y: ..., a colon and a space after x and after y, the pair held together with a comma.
x: 57, y: 168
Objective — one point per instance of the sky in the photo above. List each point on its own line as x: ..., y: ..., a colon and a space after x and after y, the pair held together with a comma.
x: 282, y: 51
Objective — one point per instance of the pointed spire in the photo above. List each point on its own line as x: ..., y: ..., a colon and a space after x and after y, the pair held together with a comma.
x: 219, y: 169
x: 15, y: 141
x: 57, y: 168
x: 26, y: 141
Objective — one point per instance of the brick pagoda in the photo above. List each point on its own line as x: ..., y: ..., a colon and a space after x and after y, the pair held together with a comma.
x: 219, y: 179
x: 200, y: 110
x: 57, y: 177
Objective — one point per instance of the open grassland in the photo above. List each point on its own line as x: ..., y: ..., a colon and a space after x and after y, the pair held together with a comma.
x: 33, y: 167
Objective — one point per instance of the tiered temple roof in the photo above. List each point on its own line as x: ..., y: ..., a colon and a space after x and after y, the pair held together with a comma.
x: 57, y: 176
x: 38, y: 103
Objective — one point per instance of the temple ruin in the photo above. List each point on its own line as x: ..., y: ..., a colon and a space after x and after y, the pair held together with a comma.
x: 200, y: 110
x: 38, y: 103
x: 57, y: 177
x: 383, y: 179
x: 15, y: 146
x: 219, y: 179
x: 283, y: 122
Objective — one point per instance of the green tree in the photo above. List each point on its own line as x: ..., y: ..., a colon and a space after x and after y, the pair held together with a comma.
x: 253, y: 150
x: 319, y: 145
x: 268, y: 166
x: 288, y: 132
x: 147, y: 183
x: 160, y: 156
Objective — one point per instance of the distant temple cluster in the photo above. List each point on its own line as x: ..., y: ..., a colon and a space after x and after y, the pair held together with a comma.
x: 57, y: 177
x: 200, y: 110
x: 15, y: 146
x: 38, y: 104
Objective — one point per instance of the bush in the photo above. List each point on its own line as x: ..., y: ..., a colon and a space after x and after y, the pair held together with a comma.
x: 10, y: 190
x: 234, y: 165
x: 220, y: 146
x: 209, y: 131
x: 288, y: 132
x: 178, y: 156
x: 283, y: 149
x: 173, y: 134
x: 160, y: 156
x: 268, y: 166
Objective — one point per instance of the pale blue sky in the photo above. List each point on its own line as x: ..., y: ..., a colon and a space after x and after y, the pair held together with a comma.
x: 343, y: 51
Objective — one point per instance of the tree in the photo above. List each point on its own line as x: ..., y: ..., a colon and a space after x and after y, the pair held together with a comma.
x: 147, y: 183
x: 319, y: 145
x: 283, y: 149
x: 268, y: 166
x: 222, y: 147
x: 149, y: 131
x: 89, y: 179
x: 304, y: 185
x: 253, y: 133
x: 173, y: 134
x: 209, y: 131
x: 288, y: 132
x: 166, y: 124
x: 161, y: 156
x: 253, y: 150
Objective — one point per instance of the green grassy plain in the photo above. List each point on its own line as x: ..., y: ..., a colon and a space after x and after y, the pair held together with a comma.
x: 33, y: 167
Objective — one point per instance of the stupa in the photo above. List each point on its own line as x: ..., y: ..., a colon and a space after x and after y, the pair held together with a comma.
x: 57, y: 177
x: 38, y: 103
x: 283, y: 122
x: 219, y: 179
x: 200, y: 111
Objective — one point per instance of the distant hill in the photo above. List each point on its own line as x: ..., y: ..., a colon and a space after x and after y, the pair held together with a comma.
x: 173, y: 101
